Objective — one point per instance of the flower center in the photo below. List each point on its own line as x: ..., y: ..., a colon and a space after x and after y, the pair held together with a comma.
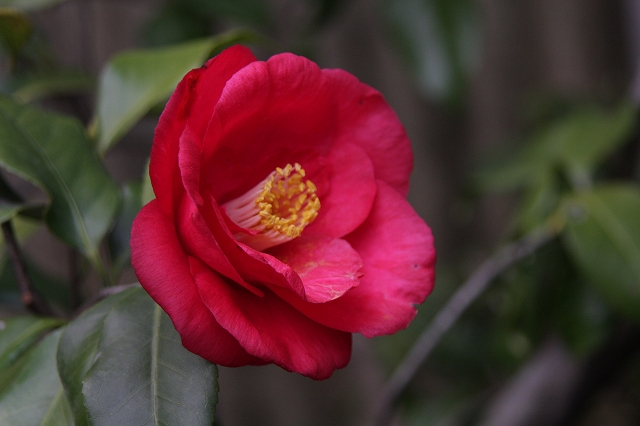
x: 276, y: 210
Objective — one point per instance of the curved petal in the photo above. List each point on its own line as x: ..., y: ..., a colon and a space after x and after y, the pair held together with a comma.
x: 193, y: 100
x: 260, y: 269
x: 163, y: 270
x: 217, y: 73
x: 365, y: 118
x: 269, y: 114
x: 198, y: 241
x: 327, y: 267
x: 396, y: 247
x: 272, y: 330
x: 350, y: 191
x: 163, y: 165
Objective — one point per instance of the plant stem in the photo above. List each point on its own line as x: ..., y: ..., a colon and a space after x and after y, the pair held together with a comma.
x: 449, y: 314
x: 30, y: 297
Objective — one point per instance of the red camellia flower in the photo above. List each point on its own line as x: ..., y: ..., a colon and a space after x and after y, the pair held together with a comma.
x: 280, y: 224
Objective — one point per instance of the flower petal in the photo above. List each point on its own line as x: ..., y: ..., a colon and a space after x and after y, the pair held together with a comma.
x: 349, y: 194
x: 396, y: 247
x: 269, y: 328
x: 327, y: 267
x: 163, y: 270
x: 365, y: 118
x: 269, y: 114
x: 256, y: 267
x: 197, y: 239
x: 192, y: 101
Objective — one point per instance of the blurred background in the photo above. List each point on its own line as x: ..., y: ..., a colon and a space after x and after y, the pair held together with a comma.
x: 479, y: 86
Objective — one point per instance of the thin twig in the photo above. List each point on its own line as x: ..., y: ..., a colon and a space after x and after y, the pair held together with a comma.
x: 30, y: 297
x: 450, y: 313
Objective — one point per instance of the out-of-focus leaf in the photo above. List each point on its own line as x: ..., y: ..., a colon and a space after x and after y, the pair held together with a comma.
x: 53, y: 152
x: 15, y: 29
x: 38, y: 86
x: 35, y: 396
x: 439, y: 39
x: 603, y: 237
x: 539, y: 202
x: 27, y: 5
x: 17, y: 334
x: 24, y: 228
x: 583, y: 140
x: 563, y: 155
x: 120, y: 235
x: 123, y: 361
x: 9, y: 210
x: 53, y: 289
x: 574, y: 145
x: 133, y: 82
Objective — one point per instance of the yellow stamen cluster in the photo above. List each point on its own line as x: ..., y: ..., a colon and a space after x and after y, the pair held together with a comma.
x: 287, y: 204
x: 279, y: 208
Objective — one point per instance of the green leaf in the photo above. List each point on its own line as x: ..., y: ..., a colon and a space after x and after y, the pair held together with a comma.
x: 603, y: 237
x: 11, y: 204
x: 15, y: 29
x: 123, y: 361
x: 583, y: 140
x: 24, y: 229
x: 53, y: 152
x: 133, y: 82
x: 30, y: 88
x: 78, y: 349
x: 120, y: 235
x: 17, y: 334
x: 35, y: 395
x: 9, y: 210
x: 574, y: 145
x: 27, y: 5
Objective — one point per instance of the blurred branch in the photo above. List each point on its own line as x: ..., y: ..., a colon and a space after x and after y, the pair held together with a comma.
x: 554, y: 388
x: 31, y: 299
x: 449, y: 314
x: 540, y: 392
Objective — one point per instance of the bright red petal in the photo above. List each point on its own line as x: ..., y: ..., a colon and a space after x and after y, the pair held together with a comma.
x: 269, y: 328
x: 198, y: 241
x: 350, y: 191
x: 396, y: 247
x: 218, y: 71
x: 254, y: 266
x: 193, y: 100
x: 163, y: 270
x: 269, y: 114
x: 327, y: 267
x: 365, y: 118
